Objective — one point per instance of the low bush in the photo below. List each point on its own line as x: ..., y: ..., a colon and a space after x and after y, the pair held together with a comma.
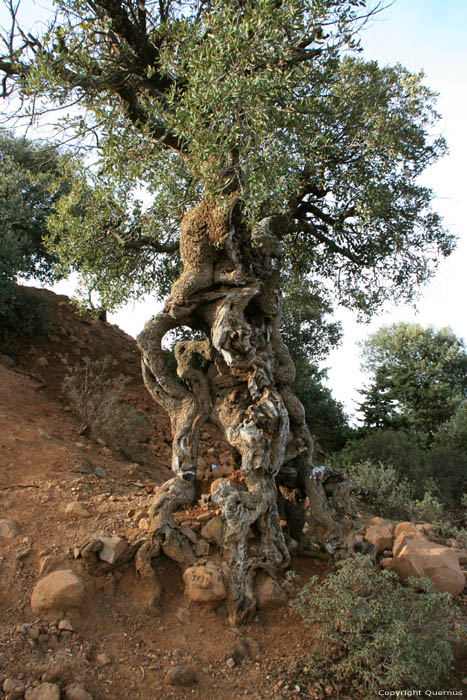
x: 374, y: 633
x: 92, y: 391
x: 22, y: 314
x: 380, y: 487
x: 125, y: 429
x: 393, y: 448
x: 97, y: 399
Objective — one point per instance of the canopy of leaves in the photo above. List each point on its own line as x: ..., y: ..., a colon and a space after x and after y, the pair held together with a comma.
x: 29, y: 191
x: 28, y: 194
x: 262, y: 98
x: 418, y: 378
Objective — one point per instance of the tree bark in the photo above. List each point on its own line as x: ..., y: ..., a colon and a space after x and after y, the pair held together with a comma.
x: 238, y: 378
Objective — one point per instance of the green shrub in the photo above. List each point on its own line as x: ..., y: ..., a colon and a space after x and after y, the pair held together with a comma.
x: 393, y: 448
x: 97, y: 399
x: 26, y: 316
x: 448, y: 467
x: 380, y: 486
x: 373, y: 632
x: 429, y: 509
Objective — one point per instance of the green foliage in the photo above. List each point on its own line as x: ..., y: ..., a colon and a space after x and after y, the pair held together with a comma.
x: 419, y: 378
x: 270, y: 101
x: 429, y: 509
x: 453, y: 433
x: 393, y: 448
x: 24, y: 314
x: 374, y: 633
x: 389, y: 494
x: 29, y: 190
x: 325, y: 416
x: 381, y: 488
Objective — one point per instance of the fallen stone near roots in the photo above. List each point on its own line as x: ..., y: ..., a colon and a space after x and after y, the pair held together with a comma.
x: 204, y: 584
x: 416, y: 556
x: 269, y: 595
x: 59, y: 590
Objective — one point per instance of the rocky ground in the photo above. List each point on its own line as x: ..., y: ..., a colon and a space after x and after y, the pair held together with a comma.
x: 58, y: 490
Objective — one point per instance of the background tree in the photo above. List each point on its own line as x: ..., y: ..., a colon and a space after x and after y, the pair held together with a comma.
x: 30, y: 187
x: 262, y: 139
x: 419, y: 378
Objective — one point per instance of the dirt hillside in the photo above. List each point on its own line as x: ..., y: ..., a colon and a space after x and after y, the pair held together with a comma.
x: 109, y: 646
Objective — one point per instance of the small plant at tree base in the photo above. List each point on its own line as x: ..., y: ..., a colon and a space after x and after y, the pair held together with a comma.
x: 373, y: 632
x: 92, y: 392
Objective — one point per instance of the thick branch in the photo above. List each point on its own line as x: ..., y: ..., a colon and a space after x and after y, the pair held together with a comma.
x: 144, y: 242
x: 313, y: 230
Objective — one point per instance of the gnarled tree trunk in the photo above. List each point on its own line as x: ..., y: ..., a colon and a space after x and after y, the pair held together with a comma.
x: 230, y: 289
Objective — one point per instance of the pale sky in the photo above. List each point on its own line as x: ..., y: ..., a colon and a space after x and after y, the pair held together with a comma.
x: 428, y: 35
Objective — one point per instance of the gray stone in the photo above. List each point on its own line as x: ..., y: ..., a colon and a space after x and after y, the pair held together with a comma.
x: 100, y: 472
x: 59, y: 590
x: 113, y: 548
x: 181, y: 675
x: 213, y: 531
x: 8, y: 528
x: 44, y: 691
x: 202, y: 548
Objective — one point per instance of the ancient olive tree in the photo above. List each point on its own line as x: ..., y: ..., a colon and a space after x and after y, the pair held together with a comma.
x: 268, y: 146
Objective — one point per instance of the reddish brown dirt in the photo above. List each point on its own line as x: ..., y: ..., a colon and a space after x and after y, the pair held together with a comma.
x: 41, y: 454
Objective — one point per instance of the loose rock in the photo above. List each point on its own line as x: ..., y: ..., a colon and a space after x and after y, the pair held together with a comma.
x: 380, y: 536
x: 404, y: 527
x: 50, y: 563
x: 204, y: 584
x: 8, y: 528
x: 416, y: 556
x: 202, y: 548
x: 14, y: 688
x: 59, y: 590
x: 44, y: 691
x: 77, y: 509
x: 213, y: 531
x: 181, y: 675
x: 270, y: 595
x: 113, y: 548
